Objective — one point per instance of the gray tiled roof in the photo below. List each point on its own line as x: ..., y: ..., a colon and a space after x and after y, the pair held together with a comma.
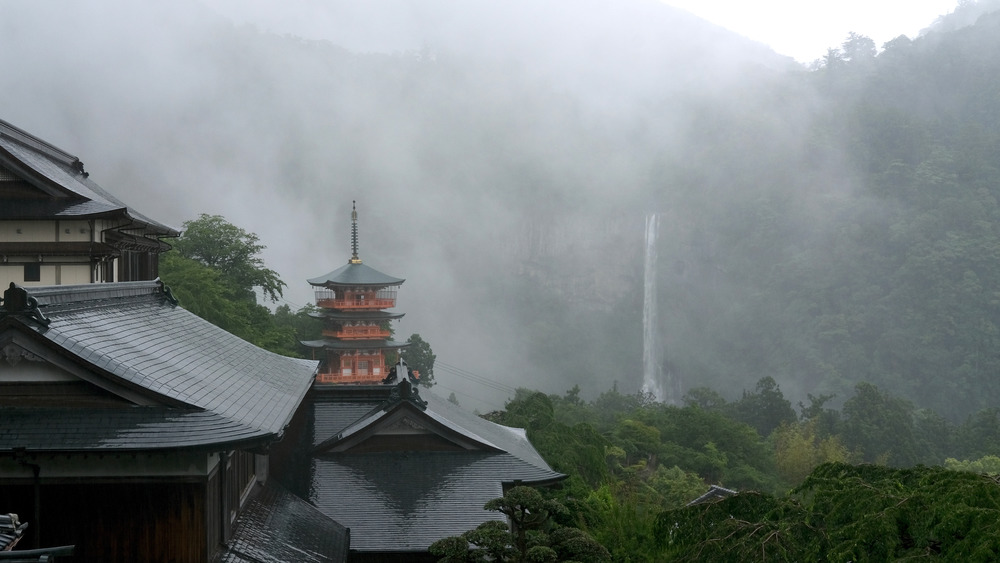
x: 278, y: 527
x: 118, y: 429
x: 130, y: 335
x: 400, y: 501
x: 355, y: 275
x: 78, y: 196
x: 405, y: 501
x: 339, y: 409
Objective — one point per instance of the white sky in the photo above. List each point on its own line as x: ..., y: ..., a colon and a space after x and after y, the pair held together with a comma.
x: 805, y: 29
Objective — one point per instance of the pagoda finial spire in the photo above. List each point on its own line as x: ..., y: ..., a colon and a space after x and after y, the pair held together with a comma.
x: 354, y: 233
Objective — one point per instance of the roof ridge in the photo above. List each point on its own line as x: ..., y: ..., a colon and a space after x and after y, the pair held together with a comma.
x: 70, y: 297
x: 32, y: 142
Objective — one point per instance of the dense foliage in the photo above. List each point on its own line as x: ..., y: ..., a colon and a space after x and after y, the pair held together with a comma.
x: 884, y: 270
x: 845, y: 513
x: 528, y: 534
x: 215, y: 271
x: 633, y: 464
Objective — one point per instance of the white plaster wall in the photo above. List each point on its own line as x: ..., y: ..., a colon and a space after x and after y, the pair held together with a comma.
x: 30, y: 231
x: 74, y: 231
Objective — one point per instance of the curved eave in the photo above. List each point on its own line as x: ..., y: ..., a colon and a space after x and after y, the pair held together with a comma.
x: 354, y: 344
x: 355, y: 275
x: 356, y: 315
x: 60, y: 175
x: 130, y: 429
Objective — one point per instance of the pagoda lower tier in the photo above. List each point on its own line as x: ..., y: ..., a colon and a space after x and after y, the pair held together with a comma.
x: 352, y: 361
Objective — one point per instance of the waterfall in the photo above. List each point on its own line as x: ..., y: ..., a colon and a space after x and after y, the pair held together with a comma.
x: 651, y: 363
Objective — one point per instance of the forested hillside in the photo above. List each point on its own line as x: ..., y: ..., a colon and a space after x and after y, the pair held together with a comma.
x: 813, y: 483
x: 890, y: 275
x: 822, y: 227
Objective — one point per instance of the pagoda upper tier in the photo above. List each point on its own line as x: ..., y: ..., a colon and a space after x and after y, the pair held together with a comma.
x: 356, y: 286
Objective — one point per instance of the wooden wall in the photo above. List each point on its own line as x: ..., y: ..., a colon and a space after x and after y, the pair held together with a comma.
x: 126, y: 522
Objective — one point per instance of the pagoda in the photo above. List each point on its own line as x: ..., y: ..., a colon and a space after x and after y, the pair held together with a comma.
x: 353, y: 300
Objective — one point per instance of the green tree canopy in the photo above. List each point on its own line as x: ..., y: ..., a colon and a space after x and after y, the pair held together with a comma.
x: 845, y: 513
x: 213, y: 270
x: 420, y: 357
x: 232, y: 251
x: 531, y: 535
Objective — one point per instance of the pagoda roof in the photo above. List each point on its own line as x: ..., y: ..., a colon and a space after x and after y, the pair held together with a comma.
x: 354, y: 344
x: 355, y: 274
x: 355, y: 315
x: 54, y: 185
x: 181, y: 381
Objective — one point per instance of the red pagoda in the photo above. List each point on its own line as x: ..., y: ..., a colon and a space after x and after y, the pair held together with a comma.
x: 353, y: 300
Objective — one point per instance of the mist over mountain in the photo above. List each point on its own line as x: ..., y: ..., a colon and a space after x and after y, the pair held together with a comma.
x: 504, y: 157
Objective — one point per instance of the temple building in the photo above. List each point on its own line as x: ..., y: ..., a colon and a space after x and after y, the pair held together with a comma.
x: 133, y: 430
x: 130, y: 428
x: 58, y: 227
x: 353, y: 300
x: 402, y: 467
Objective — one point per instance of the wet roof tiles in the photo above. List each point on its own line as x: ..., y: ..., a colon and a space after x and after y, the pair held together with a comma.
x: 119, y: 429
x: 405, y: 501
x: 129, y: 334
x: 61, y: 175
x: 400, y: 501
x: 277, y: 527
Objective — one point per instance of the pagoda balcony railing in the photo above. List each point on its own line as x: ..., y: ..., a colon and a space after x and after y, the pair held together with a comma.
x: 355, y: 304
x: 340, y: 377
x: 367, y: 333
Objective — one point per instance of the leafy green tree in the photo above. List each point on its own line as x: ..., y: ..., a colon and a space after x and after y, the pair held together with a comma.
x: 218, y: 285
x: 798, y: 449
x: 987, y: 464
x: 420, y: 357
x: 531, y: 535
x: 706, y: 398
x: 765, y: 408
x: 305, y: 325
x: 845, y: 513
x: 858, y: 48
x: 979, y: 435
x: 880, y: 426
x: 232, y: 251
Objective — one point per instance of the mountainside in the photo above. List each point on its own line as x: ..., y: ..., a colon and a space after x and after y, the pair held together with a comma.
x: 504, y: 157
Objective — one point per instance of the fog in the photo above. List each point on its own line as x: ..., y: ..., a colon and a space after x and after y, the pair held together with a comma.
x: 503, y: 155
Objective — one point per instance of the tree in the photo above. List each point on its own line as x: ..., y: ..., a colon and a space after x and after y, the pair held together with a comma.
x: 530, y: 536
x: 216, y: 282
x: 881, y: 426
x: 233, y: 252
x: 420, y: 357
x: 845, y: 513
x: 765, y: 409
x: 859, y: 48
x: 798, y: 449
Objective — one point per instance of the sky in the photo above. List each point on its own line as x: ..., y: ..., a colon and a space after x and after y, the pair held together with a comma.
x: 801, y: 29
x: 805, y: 29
